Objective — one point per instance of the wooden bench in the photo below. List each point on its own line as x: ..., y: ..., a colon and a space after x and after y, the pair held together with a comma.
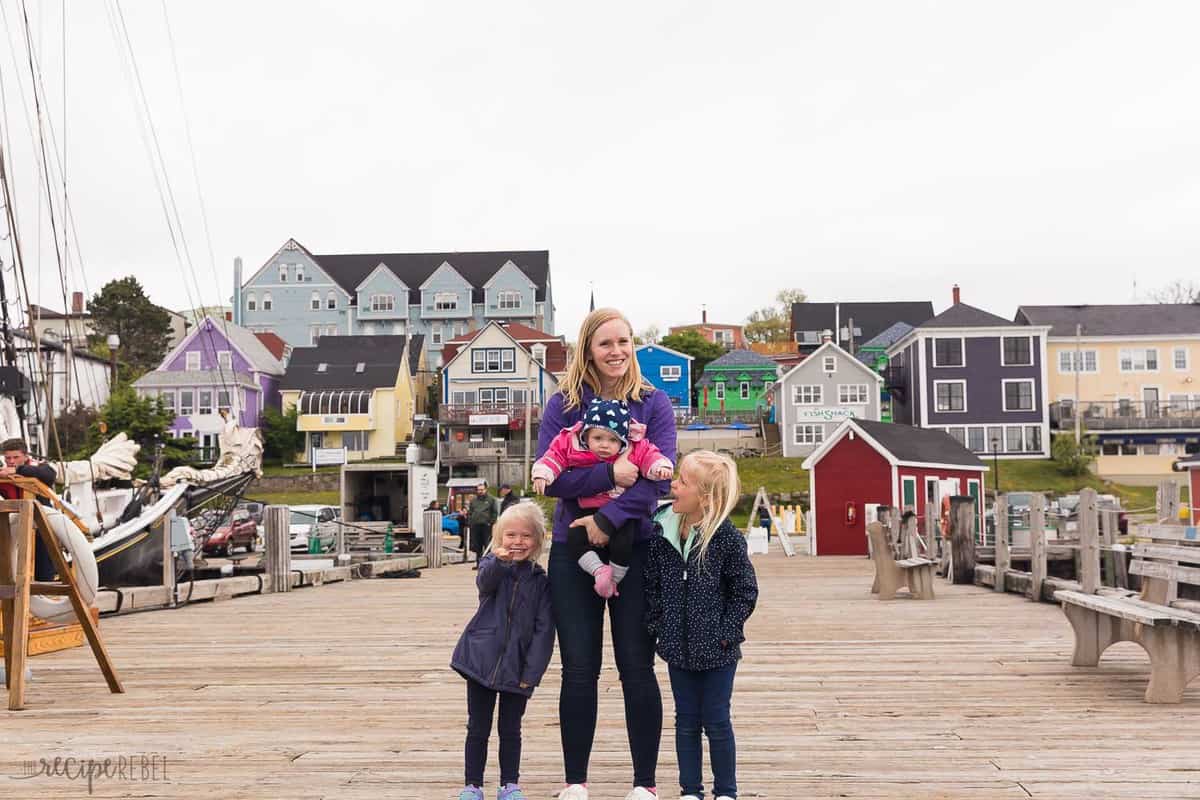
x: 892, y: 575
x: 1169, y: 634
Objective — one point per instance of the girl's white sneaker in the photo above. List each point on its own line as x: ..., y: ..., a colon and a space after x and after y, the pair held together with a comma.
x: 576, y: 791
x: 639, y: 793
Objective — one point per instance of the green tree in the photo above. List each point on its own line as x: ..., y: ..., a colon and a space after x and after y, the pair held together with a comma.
x: 1071, y: 458
x: 121, y: 307
x: 691, y: 343
x: 774, y: 323
x: 147, y: 421
x: 72, y: 427
x: 281, y: 439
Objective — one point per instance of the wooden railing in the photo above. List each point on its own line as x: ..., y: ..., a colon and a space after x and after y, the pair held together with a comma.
x: 1123, y: 414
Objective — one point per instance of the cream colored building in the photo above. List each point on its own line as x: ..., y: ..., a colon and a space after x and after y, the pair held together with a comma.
x: 1131, y: 375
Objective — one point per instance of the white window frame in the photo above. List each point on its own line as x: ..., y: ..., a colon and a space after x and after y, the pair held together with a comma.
x: 383, y: 302
x: 168, y: 398
x: 478, y: 359
x: 962, y: 350
x: 283, y: 273
x: 267, y: 302
x: 814, y: 398
x: 1032, y: 393
x: 859, y: 390
x: 1131, y: 352
x: 204, y: 401
x: 227, y: 396
x: 192, y: 361
x: 807, y: 433
x: 670, y: 372
x: 505, y: 301
x: 829, y: 364
x: 225, y: 359
x: 983, y: 437
x: 1028, y: 363
x: 962, y: 410
x: 1187, y: 359
x: 508, y: 360
x: 744, y: 390
x: 299, y: 273
x: 718, y: 390
x: 314, y: 301
x: 435, y: 333
x: 330, y: 301
x: 314, y: 333
x: 1020, y: 429
x: 251, y: 302
x: 493, y: 359
x: 445, y: 301
x: 186, y: 410
x: 1083, y: 357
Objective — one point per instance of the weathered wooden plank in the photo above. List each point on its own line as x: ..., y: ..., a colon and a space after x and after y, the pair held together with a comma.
x: 1123, y: 609
x: 1167, y: 572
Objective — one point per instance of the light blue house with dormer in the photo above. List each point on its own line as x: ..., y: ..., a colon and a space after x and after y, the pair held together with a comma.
x: 301, y: 296
x: 668, y: 370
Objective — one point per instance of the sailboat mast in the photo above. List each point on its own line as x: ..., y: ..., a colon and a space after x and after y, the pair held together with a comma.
x: 9, y: 346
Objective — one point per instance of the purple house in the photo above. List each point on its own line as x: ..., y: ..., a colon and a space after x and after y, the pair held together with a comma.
x: 977, y: 376
x: 217, y: 366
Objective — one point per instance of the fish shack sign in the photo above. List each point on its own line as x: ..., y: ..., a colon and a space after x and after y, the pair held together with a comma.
x: 828, y: 413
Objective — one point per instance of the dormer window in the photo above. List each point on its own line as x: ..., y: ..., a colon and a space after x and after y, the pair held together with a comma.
x: 445, y: 301
x: 322, y: 367
x: 508, y: 300
x: 283, y: 272
x: 829, y: 363
x: 383, y: 302
x: 360, y: 367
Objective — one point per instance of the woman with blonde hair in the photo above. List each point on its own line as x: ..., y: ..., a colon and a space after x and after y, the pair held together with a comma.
x: 604, y: 367
x: 700, y: 590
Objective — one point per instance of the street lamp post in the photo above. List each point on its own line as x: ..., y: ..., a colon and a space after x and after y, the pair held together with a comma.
x: 113, y: 342
x: 996, y: 464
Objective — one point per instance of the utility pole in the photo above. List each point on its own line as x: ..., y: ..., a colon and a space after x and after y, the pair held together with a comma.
x: 1078, y: 367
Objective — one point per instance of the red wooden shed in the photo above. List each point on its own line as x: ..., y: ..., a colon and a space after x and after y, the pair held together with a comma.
x: 1192, y: 465
x: 864, y: 462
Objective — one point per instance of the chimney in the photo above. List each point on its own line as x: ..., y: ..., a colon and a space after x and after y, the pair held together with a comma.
x: 703, y: 315
x: 237, y: 291
x: 76, y: 302
x: 957, y: 298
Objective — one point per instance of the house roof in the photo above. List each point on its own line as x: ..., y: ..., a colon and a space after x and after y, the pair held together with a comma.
x: 887, y: 338
x: 665, y: 350
x: 275, y: 346
x: 41, y: 312
x: 740, y: 358
x: 812, y: 358
x: 871, y: 318
x: 54, y: 343
x: 381, y: 357
x: 904, y: 445
x: 162, y: 378
x: 961, y: 315
x: 556, y: 351
x: 1147, y: 319
x: 255, y: 351
x: 349, y: 269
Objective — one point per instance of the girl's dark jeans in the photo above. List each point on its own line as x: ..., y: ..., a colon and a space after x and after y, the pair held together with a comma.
x: 481, y: 702
x: 702, y: 701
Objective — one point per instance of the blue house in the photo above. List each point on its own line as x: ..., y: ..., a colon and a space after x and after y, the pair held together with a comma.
x: 302, y: 296
x: 668, y: 370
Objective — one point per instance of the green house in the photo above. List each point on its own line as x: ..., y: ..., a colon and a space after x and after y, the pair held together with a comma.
x: 736, y: 382
x: 873, y: 353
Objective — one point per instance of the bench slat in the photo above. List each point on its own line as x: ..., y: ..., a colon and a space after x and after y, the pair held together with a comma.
x: 1190, y: 555
x: 1124, y: 609
x: 1178, y: 533
x: 1179, y: 616
x: 908, y: 563
x: 1167, y: 572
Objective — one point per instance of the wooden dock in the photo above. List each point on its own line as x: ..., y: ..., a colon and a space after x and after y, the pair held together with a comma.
x: 343, y: 691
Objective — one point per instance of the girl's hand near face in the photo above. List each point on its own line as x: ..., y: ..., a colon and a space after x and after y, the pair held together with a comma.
x: 502, y: 553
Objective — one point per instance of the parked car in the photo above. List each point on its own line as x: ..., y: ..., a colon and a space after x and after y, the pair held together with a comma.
x: 255, y: 510
x: 309, y: 518
x: 241, y: 531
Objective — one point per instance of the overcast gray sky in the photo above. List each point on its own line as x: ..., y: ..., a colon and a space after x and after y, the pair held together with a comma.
x: 672, y: 154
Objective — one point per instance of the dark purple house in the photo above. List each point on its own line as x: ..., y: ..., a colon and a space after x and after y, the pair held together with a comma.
x: 217, y: 366
x: 979, y: 377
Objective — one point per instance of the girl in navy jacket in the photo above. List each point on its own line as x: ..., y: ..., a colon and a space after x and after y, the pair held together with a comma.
x: 700, y: 590
x: 506, y: 646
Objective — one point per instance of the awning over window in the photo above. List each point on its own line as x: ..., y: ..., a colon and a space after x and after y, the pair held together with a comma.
x: 348, y: 401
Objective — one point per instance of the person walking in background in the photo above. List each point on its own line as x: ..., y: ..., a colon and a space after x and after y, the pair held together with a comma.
x: 506, y: 647
x: 700, y: 590
x: 507, y: 498
x: 18, y: 462
x: 603, y: 365
x: 481, y: 515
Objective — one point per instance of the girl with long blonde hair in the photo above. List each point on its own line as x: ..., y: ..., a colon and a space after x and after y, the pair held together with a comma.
x: 604, y: 367
x: 700, y: 590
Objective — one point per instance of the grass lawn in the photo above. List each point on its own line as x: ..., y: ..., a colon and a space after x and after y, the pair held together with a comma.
x: 297, y: 498
x: 292, y: 470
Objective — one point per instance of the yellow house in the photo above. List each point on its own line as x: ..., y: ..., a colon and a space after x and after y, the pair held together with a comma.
x: 1130, y: 374
x: 357, y: 392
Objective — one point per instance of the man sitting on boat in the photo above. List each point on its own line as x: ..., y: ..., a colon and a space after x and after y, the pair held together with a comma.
x: 17, y: 461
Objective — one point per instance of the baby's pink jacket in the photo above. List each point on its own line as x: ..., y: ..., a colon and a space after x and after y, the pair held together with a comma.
x: 566, y: 451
